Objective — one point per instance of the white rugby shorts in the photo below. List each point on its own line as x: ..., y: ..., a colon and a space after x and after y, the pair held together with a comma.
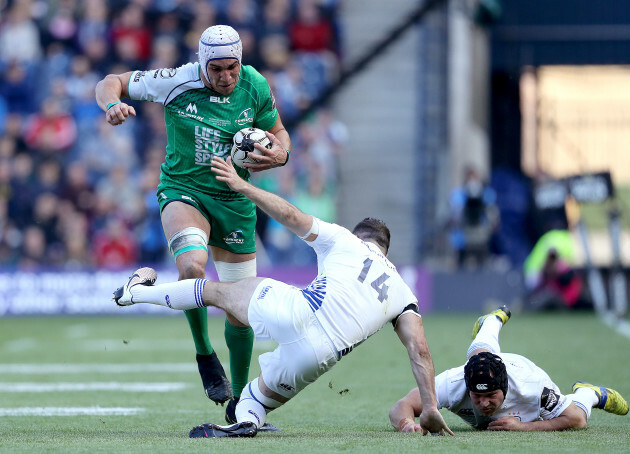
x: 280, y: 312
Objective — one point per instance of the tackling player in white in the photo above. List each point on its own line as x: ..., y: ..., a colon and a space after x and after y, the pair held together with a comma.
x: 356, y: 292
x: 505, y: 391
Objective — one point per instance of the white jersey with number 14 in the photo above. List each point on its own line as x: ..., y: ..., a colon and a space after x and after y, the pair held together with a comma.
x: 357, y: 289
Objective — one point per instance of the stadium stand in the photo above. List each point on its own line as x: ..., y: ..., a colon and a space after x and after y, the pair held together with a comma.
x: 76, y: 193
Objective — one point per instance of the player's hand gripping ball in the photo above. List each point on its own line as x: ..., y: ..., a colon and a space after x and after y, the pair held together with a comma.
x: 243, y: 150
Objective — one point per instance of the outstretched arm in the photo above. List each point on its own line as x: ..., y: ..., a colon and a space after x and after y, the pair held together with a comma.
x: 279, y: 209
x: 109, y: 91
x: 571, y: 418
x: 411, y: 333
x: 402, y: 415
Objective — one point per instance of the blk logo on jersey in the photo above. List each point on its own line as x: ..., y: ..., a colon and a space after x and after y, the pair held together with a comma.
x: 220, y: 99
x: 192, y: 108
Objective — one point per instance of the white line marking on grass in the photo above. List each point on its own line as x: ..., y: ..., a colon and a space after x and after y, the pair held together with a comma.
x: 70, y: 411
x: 20, y: 345
x: 39, y: 387
x: 620, y: 325
x: 97, y: 345
x: 57, y: 368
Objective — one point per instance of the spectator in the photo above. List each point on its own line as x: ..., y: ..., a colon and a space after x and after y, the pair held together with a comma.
x: 52, y: 131
x: 311, y: 31
x: 50, y: 57
x: 23, y: 191
x: 33, y: 251
x: 18, y: 89
x: 131, y: 37
x: 60, y: 25
x: 19, y: 36
x: 551, y: 280
x: 473, y: 220
x: 114, y: 246
x: 77, y: 188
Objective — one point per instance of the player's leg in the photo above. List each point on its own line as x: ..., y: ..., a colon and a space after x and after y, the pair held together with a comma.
x: 233, y: 247
x: 486, y: 332
x: 184, y: 295
x: 239, y: 338
x: 187, y: 231
x: 256, y: 401
x: 251, y: 413
x: 587, y: 396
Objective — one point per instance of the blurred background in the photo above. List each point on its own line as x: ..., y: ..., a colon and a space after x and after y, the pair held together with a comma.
x: 490, y: 135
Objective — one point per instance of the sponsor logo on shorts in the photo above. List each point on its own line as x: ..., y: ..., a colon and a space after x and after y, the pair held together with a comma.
x: 286, y: 387
x: 168, y: 301
x: 235, y: 237
x: 246, y: 116
x: 186, y: 197
x: 264, y: 292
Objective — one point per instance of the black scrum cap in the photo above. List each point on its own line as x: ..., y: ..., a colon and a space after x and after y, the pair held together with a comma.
x: 485, y: 372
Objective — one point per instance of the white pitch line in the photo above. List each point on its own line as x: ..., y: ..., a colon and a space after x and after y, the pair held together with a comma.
x: 25, y: 387
x: 70, y: 411
x: 620, y: 325
x: 59, y: 368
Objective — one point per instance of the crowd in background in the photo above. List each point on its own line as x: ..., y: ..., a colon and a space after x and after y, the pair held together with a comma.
x: 78, y: 193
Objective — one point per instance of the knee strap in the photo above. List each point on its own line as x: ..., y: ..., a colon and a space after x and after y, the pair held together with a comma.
x: 186, y: 240
x: 232, y: 272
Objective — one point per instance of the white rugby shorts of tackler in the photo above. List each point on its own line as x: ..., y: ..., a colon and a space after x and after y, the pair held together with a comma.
x: 280, y: 312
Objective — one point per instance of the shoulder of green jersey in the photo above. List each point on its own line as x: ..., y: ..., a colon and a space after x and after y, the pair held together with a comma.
x: 164, y: 84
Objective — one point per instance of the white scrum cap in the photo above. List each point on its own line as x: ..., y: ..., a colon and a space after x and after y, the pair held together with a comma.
x: 217, y: 42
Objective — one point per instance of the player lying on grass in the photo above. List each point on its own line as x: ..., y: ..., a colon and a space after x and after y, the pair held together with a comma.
x: 356, y: 292
x: 505, y: 391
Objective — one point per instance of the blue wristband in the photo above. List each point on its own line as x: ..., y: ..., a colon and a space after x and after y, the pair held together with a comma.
x: 111, y: 104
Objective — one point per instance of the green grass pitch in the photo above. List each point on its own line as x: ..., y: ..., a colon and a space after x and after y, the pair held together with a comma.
x: 95, y: 362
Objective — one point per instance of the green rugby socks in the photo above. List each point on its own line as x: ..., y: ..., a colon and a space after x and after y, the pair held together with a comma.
x: 198, y: 322
x: 240, y: 343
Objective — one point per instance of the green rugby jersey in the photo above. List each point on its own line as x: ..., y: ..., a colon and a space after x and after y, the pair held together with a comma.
x: 200, y: 123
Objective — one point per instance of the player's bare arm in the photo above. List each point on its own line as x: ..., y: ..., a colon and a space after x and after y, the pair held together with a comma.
x: 402, y: 415
x: 571, y: 418
x: 275, y: 156
x: 109, y: 92
x: 411, y: 333
x: 279, y: 209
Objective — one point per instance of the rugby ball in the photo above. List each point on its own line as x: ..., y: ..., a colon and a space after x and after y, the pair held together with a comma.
x: 243, y: 150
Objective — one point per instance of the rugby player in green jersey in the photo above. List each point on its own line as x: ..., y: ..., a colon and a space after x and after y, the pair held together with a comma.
x: 205, y: 104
